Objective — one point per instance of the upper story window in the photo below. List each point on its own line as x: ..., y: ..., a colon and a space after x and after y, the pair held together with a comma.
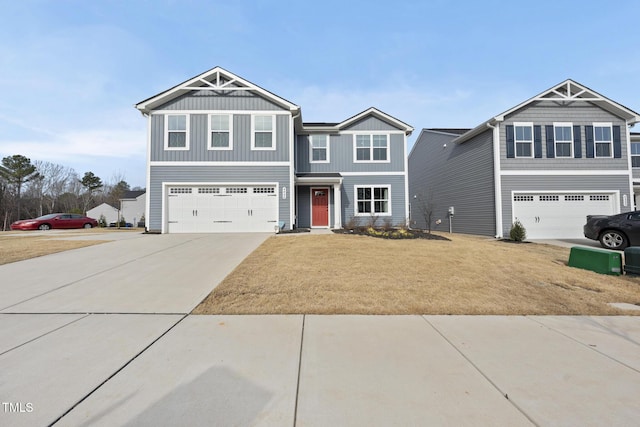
x: 635, y: 154
x: 524, y: 139
x: 176, y: 132
x: 372, y: 200
x: 319, y: 148
x: 563, y: 137
x: 263, y: 132
x: 220, y: 132
x: 602, y: 137
x: 371, y: 148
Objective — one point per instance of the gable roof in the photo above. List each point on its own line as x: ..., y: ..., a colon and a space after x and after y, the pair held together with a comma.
x: 132, y: 194
x: 373, y: 112
x: 216, y: 79
x: 567, y: 92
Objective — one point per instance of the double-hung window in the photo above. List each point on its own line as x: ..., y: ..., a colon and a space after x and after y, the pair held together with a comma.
x: 372, y: 200
x: 635, y: 154
x: 602, y: 137
x: 263, y: 132
x: 220, y: 132
x: 524, y: 139
x: 372, y: 148
x: 319, y: 148
x: 563, y: 139
x: 176, y: 132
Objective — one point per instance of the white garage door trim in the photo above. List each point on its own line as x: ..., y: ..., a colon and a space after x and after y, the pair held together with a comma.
x: 272, y: 210
x: 548, y: 224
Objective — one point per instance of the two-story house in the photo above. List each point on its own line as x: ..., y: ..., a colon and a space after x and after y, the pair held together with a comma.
x: 225, y: 155
x: 547, y: 162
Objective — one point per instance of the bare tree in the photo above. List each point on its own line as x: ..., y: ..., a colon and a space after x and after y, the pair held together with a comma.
x: 54, y: 180
x: 426, y: 207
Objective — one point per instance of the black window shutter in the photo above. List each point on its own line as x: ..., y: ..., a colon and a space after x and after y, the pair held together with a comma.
x: 617, y: 144
x: 588, y: 136
x: 511, y: 148
x: 551, y: 152
x: 537, y: 141
x: 577, y: 143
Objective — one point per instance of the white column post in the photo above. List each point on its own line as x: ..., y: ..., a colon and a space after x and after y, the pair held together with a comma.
x: 337, y: 205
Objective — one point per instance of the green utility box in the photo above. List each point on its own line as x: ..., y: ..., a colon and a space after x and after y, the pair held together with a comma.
x: 598, y: 260
x: 632, y: 260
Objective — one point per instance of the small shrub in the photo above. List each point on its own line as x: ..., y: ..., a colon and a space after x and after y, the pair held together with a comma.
x: 517, y: 233
x: 387, y: 224
x: 102, y: 221
x: 352, y: 224
x: 373, y: 219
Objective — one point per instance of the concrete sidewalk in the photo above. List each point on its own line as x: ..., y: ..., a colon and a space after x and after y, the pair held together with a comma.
x: 101, y: 336
x: 328, y: 370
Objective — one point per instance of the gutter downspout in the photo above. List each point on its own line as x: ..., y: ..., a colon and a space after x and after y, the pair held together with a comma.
x: 497, y: 185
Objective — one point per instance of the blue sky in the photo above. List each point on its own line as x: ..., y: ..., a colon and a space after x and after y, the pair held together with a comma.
x: 71, y: 71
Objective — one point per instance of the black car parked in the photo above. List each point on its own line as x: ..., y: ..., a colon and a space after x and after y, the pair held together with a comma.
x: 615, y: 231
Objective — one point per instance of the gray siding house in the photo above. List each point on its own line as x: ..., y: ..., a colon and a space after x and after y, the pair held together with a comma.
x: 547, y: 162
x: 225, y: 155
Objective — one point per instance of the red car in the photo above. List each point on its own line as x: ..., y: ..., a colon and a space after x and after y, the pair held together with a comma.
x: 57, y: 220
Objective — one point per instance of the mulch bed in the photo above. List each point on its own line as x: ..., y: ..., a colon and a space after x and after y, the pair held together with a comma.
x: 391, y: 234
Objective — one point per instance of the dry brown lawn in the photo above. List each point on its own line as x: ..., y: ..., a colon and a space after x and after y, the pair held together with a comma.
x: 343, y: 274
x: 18, y: 246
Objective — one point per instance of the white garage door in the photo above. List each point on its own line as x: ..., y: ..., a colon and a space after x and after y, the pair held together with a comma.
x: 559, y: 216
x: 221, y: 209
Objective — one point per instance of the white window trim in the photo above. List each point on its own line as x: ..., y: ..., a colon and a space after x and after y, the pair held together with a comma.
x: 367, y: 214
x: 371, y: 134
x: 515, y: 139
x: 555, y: 143
x: 326, y: 148
x: 595, y: 143
x: 631, y: 155
x: 230, y: 147
x: 166, y: 133
x: 253, y: 133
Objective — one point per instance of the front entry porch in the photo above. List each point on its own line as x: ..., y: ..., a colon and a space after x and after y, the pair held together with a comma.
x: 319, y: 201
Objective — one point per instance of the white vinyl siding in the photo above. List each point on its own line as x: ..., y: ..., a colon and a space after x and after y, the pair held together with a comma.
x: 372, y: 200
x: 603, y: 139
x: 523, y: 139
x: 371, y: 148
x: 176, y: 132
x: 319, y: 149
x: 563, y: 139
x: 263, y: 132
x: 220, y: 132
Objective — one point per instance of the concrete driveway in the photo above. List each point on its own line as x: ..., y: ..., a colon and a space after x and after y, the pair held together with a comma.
x: 107, y: 341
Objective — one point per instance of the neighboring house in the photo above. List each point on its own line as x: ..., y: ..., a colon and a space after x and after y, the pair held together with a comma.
x: 225, y: 155
x: 635, y: 165
x: 132, y: 206
x: 110, y: 213
x: 548, y: 162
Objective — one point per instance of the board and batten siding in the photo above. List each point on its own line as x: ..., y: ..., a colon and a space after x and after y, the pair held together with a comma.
x: 560, y: 183
x: 214, y: 100
x: 341, y: 148
x: 579, y: 115
x: 198, y: 141
x: 215, y: 175
x: 397, y: 188
x: 458, y: 175
x: 371, y: 124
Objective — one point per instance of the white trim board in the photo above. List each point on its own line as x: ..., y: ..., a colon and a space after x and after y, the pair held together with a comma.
x: 217, y: 164
x: 564, y: 172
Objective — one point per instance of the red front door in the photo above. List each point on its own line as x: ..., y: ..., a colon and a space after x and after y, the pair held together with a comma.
x: 319, y: 207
